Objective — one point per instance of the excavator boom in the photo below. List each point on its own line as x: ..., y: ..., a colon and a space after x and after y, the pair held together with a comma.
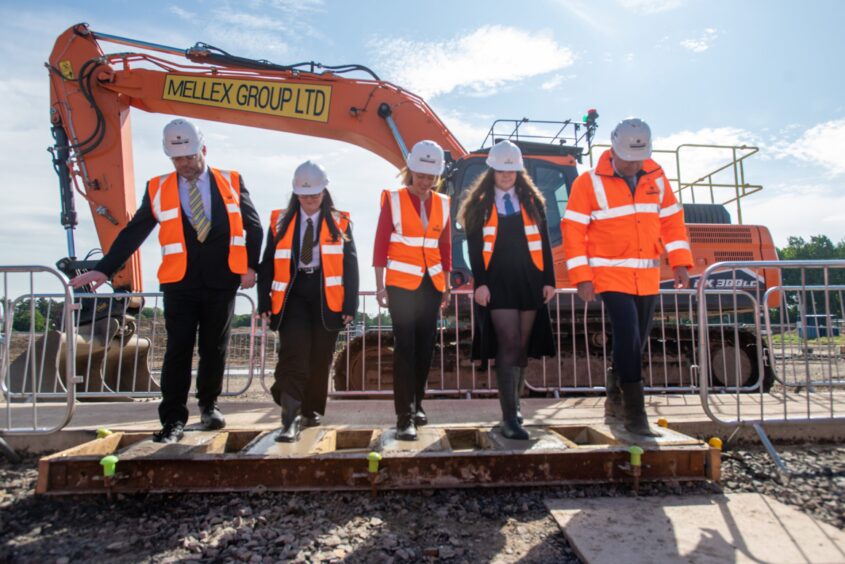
x: 92, y: 93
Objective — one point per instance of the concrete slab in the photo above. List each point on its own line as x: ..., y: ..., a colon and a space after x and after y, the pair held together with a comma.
x: 744, y: 527
x: 266, y: 444
x: 538, y: 440
x: 429, y: 439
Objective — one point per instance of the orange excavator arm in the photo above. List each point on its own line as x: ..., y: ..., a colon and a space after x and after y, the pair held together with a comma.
x: 92, y: 94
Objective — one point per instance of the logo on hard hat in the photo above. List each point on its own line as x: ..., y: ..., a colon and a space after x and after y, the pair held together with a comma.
x: 638, y: 144
x: 428, y: 159
x: 306, y: 184
x: 179, y: 141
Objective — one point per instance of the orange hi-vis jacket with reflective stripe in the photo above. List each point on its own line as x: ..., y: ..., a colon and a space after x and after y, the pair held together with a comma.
x: 331, y: 260
x: 532, y: 235
x: 613, y: 238
x: 167, y: 209
x: 413, y: 250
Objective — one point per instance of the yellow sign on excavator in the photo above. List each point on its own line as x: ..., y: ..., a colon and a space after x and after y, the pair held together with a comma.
x: 289, y: 99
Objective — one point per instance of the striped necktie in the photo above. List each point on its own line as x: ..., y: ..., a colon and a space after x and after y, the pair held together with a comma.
x: 198, y: 218
x: 308, y: 244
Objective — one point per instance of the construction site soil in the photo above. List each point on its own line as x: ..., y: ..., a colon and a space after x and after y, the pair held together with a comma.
x: 474, y: 525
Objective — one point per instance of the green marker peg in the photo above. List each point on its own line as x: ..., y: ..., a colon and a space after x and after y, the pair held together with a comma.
x: 102, y: 433
x: 109, y: 463
x: 636, y: 455
x: 373, y: 459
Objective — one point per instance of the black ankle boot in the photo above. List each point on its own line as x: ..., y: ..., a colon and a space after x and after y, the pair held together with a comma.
x: 633, y: 402
x: 613, y: 402
x: 291, y: 420
x: 507, y: 379
x: 520, y: 388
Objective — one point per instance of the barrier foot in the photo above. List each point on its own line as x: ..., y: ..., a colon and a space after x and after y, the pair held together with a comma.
x: 9, y: 452
x: 770, y: 448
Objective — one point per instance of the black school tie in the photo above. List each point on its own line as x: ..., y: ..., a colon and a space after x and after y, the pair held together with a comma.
x: 308, y: 243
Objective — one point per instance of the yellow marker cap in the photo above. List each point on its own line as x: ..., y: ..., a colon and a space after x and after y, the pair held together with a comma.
x: 636, y: 455
x: 102, y: 433
x: 373, y: 459
x: 662, y: 423
x: 108, y: 463
x: 715, y: 442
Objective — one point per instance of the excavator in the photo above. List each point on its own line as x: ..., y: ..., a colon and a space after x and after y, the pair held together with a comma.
x: 92, y: 94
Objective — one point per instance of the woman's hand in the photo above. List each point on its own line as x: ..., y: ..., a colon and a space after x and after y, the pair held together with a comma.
x: 381, y: 297
x: 548, y: 294
x: 347, y: 319
x: 482, y: 296
x: 447, y: 297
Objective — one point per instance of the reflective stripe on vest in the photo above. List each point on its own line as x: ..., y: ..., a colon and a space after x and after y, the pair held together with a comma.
x: 167, y: 210
x: 532, y: 236
x: 331, y: 260
x: 413, y: 250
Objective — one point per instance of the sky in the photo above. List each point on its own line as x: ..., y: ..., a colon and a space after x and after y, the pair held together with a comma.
x: 759, y: 73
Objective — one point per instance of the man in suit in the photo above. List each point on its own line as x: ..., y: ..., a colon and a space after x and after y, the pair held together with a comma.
x: 210, y: 236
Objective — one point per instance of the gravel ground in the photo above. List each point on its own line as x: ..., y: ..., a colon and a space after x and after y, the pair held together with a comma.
x: 496, y: 525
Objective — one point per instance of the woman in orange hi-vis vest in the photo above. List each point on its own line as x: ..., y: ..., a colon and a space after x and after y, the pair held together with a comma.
x: 308, y: 289
x: 620, y: 218
x: 513, y: 272
x: 412, y: 258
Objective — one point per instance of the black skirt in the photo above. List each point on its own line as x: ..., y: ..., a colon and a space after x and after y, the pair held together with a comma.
x: 512, y: 278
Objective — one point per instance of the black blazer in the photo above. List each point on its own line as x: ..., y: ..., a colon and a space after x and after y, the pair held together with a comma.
x: 331, y: 320
x: 208, y: 262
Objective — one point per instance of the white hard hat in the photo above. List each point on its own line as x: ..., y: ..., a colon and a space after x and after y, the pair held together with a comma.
x: 182, y: 139
x: 309, y: 179
x: 426, y: 158
x: 505, y: 156
x: 631, y: 140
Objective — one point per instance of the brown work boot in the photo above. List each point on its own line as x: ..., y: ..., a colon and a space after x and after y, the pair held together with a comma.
x: 633, y: 402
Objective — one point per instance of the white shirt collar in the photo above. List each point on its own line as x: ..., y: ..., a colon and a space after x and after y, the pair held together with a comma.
x: 315, y: 218
x: 201, y: 179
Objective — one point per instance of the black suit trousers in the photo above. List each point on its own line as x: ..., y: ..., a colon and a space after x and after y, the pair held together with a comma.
x: 207, y: 312
x: 306, y: 347
x: 414, y: 316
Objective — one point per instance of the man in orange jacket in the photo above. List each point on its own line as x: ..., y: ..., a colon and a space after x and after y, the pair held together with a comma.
x: 619, y: 220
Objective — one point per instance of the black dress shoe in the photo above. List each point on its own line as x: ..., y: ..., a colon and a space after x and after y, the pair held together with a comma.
x: 211, y: 417
x: 170, y: 433
x: 420, y: 418
x: 312, y: 420
x: 405, y: 429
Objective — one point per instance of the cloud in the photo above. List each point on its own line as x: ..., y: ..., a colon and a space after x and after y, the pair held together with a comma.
x: 702, y: 43
x: 182, y: 13
x: 480, y: 62
x: 697, y: 162
x: 821, y: 146
x: 801, y: 210
x: 651, y: 6
x: 556, y: 81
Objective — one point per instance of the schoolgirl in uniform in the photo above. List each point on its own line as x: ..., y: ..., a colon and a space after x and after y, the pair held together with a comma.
x: 504, y: 218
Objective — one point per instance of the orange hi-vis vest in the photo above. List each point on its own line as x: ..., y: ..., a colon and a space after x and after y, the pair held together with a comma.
x: 167, y: 209
x: 532, y: 235
x: 613, y: 238
x: 331, y: 260
x: 413, y: 250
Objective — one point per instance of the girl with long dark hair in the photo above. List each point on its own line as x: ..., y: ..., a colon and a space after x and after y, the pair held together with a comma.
x: 504, y: 218
x: 308, y: 289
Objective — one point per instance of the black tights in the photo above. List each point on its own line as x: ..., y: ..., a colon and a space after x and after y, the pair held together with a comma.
x: 513, y: 330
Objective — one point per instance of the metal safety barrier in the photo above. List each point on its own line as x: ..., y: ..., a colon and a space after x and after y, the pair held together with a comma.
x: 117, y: 348
x: 362, y: 365
x: 803, y: 350
x: 23, y: 330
